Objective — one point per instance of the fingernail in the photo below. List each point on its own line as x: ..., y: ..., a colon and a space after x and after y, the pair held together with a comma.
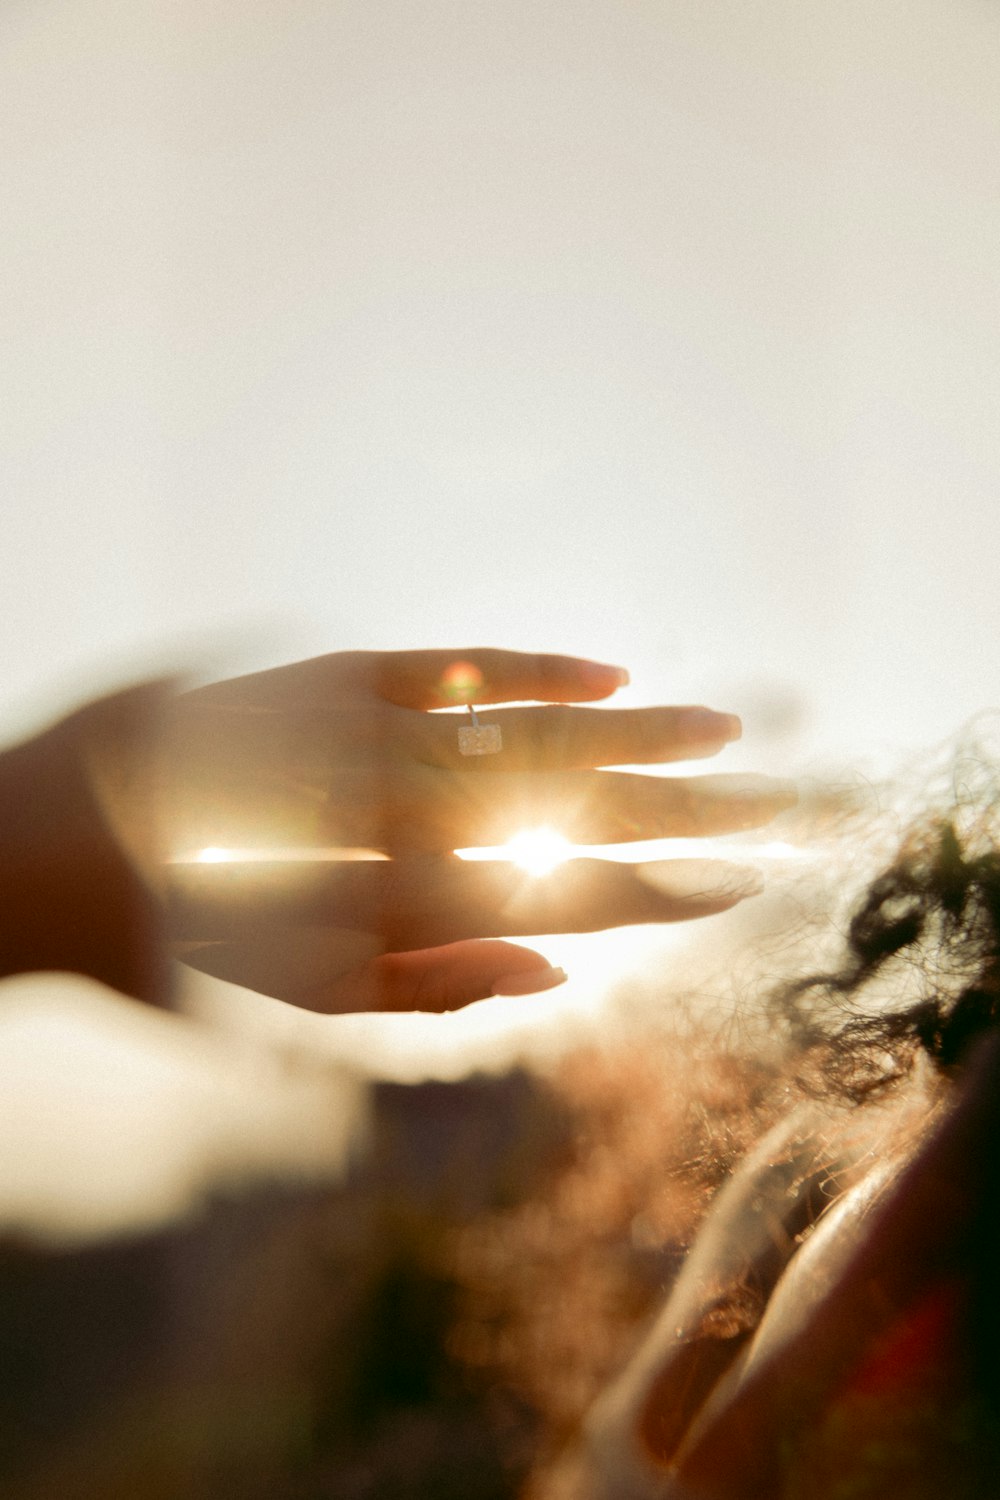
x: 746, y: 881
x: 707, y: 724
x: 530, y: 983
x: 598, y: 674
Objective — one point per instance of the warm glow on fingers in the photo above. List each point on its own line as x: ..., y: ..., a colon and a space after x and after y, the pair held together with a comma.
x: 212, y: 854
x: 538, y: 850
x: 461, y: 682
x: 534, y: 850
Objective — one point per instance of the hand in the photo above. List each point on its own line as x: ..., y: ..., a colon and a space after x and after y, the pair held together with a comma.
x: 342, y: 753
x: 78, y: 848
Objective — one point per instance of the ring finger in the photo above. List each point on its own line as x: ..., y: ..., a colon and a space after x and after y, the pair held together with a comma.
x: 603, y: 807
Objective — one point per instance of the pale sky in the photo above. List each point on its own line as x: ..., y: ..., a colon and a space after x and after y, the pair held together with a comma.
x: 664, y: 332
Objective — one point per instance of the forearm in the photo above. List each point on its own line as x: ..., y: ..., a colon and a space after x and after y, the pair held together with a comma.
x: 71, y: 894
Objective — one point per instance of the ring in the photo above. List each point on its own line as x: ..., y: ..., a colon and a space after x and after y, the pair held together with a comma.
x: 479, y: 739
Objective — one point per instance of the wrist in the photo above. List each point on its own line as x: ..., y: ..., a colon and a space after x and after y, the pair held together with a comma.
x: 77, y: 849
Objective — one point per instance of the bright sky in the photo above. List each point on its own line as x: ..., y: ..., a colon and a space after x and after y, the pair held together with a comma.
x: 662, y: 332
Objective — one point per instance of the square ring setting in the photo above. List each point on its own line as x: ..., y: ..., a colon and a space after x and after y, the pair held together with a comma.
x: 479, y: 739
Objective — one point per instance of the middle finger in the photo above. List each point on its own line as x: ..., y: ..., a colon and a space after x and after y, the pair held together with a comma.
x: 558, y: 737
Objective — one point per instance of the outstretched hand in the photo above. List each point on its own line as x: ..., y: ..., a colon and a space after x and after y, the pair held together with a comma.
x: 344, y: 753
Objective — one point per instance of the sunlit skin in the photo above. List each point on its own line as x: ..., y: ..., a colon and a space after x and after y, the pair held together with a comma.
x: 539, y: 850
x: 348, y: 751
x: 462, y: 682
x: 213, y: 855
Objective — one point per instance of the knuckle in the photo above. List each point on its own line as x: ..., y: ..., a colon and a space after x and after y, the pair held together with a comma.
x: 685, y: 808
x: 648, y: 735
x: 547, y: 672
x: 549, y: 729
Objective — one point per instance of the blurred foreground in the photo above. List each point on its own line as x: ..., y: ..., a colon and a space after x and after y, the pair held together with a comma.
x: 257, y: 1275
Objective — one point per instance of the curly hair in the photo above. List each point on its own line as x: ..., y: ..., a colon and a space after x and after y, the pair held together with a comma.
x: 921, y: 975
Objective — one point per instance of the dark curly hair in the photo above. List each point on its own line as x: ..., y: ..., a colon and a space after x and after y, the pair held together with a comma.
x: 921, y: 975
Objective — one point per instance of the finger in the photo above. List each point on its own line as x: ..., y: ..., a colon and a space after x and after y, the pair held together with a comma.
x: 556, y: 737
x: 427, y: 902
x: 438, y: 979
x: 591, y: 895
x: 434, y: 811
x: 601, y: 807
x: 442, y: 679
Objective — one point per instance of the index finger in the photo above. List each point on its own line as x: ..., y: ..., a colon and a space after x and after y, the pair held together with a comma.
x: 448, y: 679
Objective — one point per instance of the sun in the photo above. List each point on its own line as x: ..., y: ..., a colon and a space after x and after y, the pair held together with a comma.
x: 213, y: 855
x: 538, y: 850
